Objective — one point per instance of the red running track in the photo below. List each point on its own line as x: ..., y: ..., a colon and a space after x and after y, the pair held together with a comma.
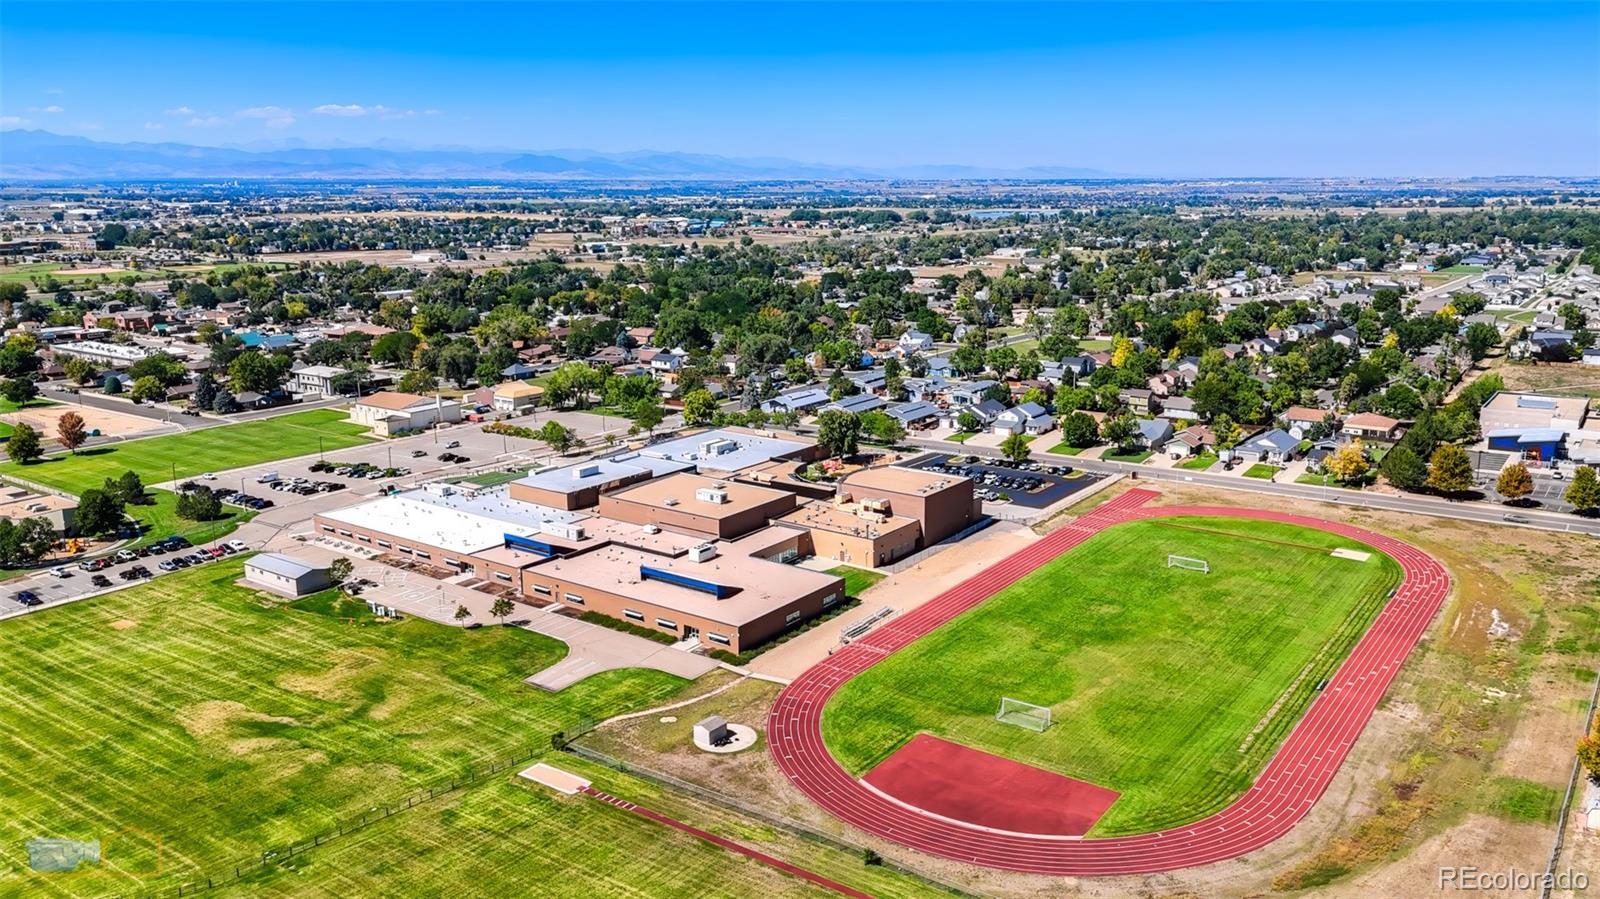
x: 1292, y: 782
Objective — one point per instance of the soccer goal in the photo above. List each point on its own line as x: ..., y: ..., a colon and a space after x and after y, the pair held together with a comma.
x: 1200, y: 565
x: 1023, y: 714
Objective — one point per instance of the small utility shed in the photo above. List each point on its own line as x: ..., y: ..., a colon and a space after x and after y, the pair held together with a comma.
x: 286, y: 574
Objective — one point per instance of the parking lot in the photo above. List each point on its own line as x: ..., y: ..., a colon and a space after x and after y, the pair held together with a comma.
x: 1030, y: 484
x: 77, y: 579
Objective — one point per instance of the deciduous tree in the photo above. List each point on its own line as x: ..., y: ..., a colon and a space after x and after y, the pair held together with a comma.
x: 1515, y: 482
x: 1450, y: 470
x: 1583, y: 493
x: 23, y: 446
x: 70, y: 431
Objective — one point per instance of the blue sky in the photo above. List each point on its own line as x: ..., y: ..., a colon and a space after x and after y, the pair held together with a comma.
x: 1173, y: 89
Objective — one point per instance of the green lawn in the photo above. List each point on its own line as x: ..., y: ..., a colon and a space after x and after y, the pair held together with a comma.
x: 512, y: 838
x: 1262, y: 470
x: 962, y: 436
x: 856, y: 580
x: 1198, y: 463
x: 194, y: 713
x: 1170, y: 686
x: 1462, y: 270
x: 8, y: 406
x: 1136, y: 456
x: 495, y: 478
x: 194, y: 452
x: 1065, y: 449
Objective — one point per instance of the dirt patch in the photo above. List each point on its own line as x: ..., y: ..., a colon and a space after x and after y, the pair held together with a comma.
x: 122, y: 624
x: 107, y: 422
x: 334, y: 684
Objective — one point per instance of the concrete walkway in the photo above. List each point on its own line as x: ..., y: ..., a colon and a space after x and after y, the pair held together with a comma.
x: 595, y: 649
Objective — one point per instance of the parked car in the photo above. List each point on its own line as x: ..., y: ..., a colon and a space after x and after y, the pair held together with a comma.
x: 60, y: 571
x: 267, y: 478
x: 237, y: 546
x: 27, y: 598
x: 101, y: 580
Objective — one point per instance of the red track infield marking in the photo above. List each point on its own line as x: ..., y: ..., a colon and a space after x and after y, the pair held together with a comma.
x: 1292, y: 781
x: 966, y: 784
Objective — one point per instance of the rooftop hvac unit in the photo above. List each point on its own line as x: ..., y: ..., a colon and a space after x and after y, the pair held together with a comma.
x: 563, y: 529
x: 711, y: 495
x: 38, y: 507
x: 718, y: 446
x: 669, y: 501
x: 586, y: 471
x: 876, y: 504
x: 651, y: 529
x: 439, y: 489
x: 876, y: 517
x: 702, y: 552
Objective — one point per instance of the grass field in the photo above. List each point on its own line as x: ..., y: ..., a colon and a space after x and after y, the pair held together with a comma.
x: 1167, y: 685
x: 191, y: 712
x: 1135, y: 457
x: 962, y: 436
x: 195, y: 452
x: 1065, y: 449
x: 1262, y: 471
x: 1198, y: 463
x: 856, y: 579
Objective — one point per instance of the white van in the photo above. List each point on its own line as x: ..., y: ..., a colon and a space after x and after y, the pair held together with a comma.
x: 267, y: 478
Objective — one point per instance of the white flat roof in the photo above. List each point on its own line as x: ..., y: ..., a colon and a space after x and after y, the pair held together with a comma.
x: 456, y: 522
x: 723, y: 450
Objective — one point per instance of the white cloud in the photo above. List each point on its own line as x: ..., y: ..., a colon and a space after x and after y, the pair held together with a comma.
x: 347, y: 110
x: 14, y: 121
x: 50, y: 109
x: 179, y: 110
x: 205, y: 121
x: 54, y: 90
x: 152, y: 126
x: 270, y: 116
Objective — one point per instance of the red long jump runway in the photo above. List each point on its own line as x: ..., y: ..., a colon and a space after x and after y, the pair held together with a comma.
x: 1290, y: 784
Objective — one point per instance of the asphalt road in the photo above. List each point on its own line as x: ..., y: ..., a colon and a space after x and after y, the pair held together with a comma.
x: 1487, y: 513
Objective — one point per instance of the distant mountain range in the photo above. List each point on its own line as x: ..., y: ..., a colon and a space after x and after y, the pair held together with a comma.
x: 29, y: 155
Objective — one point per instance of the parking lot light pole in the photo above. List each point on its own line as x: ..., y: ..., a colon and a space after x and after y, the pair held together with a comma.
x: 319, y: 448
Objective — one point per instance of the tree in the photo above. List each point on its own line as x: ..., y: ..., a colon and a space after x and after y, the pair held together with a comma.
x: 99, y: 511
x: 1015, y: 447
x: 70, y: 431
x: 12, y: 294
x: 1120, y: 431
x: 23, y: 447
x: 883, y: 427
x: 501, y: 608
x: 1515, y: 482
x: 1349, y: 462
x: 1480, y: 339
x: 129, y: 488
x: 78, y: 369
x: 253, y: 372
x: 199, y: 504
x: 838, y: 432
x: 339, y: 570
x: 462, y: 613
x: 1078, y: 429
x: 148, y: 389
x: 969, y: 422
x: 205, y: 390
x: 1403, y: 469
x: 225, y: 403
x: 699, y: 406
x: 647, y: 414
x: 1450, y: 470
x: 394, y: 348
x: 19, y: 390
x: 1583, y: 493
x: 417, y: 380
x: 558, y: 436
x: 112, y: 385
x: 22, y: 543
x: 1589, y: 750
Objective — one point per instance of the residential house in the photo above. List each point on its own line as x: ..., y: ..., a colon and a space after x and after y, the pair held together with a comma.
x: 914, y: 341
x: 516, y: 397
x: 1275, y: 446
x: 1178, y: 408
x: 316, y: 379
x: 969, y: 393
x: 1299, y: 420
x: 856, y: 403
x: 1372, y: 428
x: 803, y: 400
x: 914, y: 416
x: 1191, y: 441
x: 1139, y: 399
x: 1028, y: 418
x: 1153, y: 432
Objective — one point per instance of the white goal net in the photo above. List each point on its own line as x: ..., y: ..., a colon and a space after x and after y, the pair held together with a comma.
x: 1200, y: 565
x: 1023, y: 714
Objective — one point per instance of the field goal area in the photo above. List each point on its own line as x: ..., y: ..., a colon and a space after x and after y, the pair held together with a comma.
x: 1200, y: 565
x: 1023, y: 714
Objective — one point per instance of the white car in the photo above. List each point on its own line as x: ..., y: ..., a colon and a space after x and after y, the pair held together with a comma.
x: 209, y: 476
x: 238, y: 546
x: 267, y: 478
x: 60, y: 571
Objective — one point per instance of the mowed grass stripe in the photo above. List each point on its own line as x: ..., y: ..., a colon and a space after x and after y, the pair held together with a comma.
x: 225, y: 726
x: 195, y: 452
x: 1156, y: 677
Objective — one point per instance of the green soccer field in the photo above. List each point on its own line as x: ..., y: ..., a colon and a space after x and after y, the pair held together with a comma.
x: 188, y: 711
x: 195, y: 452
x: 1170, y: 686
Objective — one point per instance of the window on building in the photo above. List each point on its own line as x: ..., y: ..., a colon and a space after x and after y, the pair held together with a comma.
x: 718, y: 638
x: 404, y: 549
x: 541, y: 589
x: 669, y: 625
x: 792, y: 617
x: 502, y: 575
x: 363, y: 538
x: 636, y: 616
x: 385, y: 544
x: 422, y: 555
x: 327, y: 528
x: 343, y: 532
x: 575, y: 599
x: 829, y: 600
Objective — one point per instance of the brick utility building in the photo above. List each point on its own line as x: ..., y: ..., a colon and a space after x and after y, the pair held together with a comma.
x: 697, y: 505
x: 858, y: 533
x: 942, y: 505
x: 728, y: 594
